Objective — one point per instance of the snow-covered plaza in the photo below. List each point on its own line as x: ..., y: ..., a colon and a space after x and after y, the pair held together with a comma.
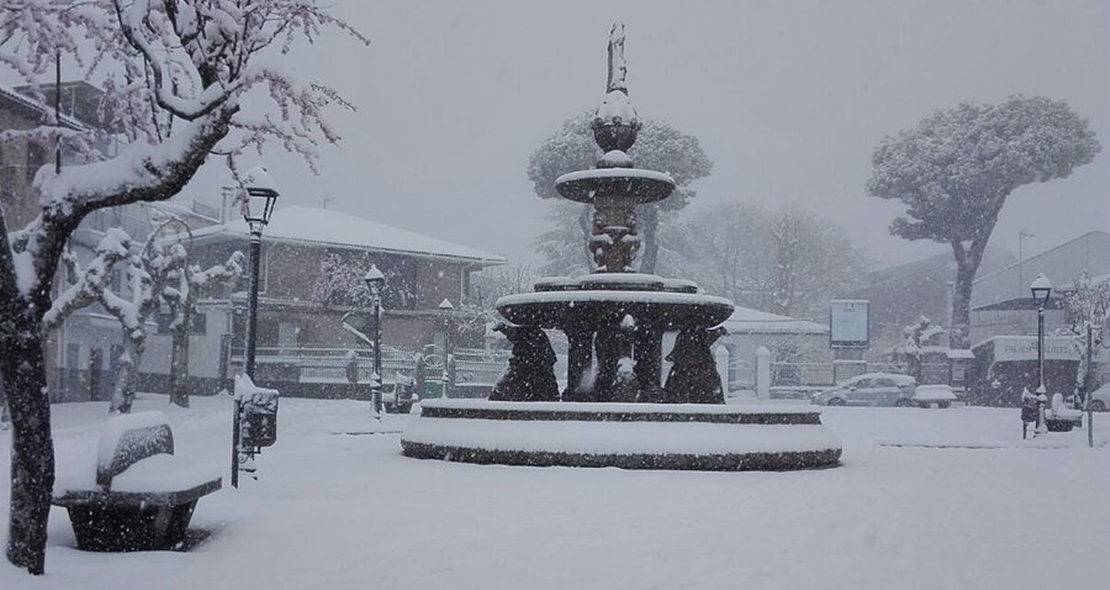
x: 924, y: 499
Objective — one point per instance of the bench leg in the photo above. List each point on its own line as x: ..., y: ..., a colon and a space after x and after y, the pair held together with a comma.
x: 178, y: 524
x: 130, y: 528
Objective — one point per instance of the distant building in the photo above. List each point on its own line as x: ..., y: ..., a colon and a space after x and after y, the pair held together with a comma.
x: 901, y: 294
x: 89, y: 335
x: 800, y: 354
x: 312, y: 265
x: 1004, y: 321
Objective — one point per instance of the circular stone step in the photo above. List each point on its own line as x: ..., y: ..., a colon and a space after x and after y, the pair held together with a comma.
x: 629, y: 436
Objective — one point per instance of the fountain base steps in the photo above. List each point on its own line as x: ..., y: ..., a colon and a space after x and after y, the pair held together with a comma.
x: 629, y: 436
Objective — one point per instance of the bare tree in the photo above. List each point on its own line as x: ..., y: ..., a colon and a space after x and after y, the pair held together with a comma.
x: 149, y: 272
x: 493, y: 283
x: 1087, y: 307
x: 175, y: 74
x: 788, y: 262
x: 193, y: 283
x: 955, y: 170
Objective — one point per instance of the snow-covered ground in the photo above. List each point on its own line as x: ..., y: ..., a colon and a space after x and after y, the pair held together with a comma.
x: 925, y: 499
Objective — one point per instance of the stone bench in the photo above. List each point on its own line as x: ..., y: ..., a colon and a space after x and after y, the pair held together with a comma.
x: 143, y: 496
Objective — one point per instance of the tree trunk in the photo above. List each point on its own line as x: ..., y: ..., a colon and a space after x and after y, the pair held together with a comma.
x: 123, y: 396
x: 649, y: 229
x: 23, y: 369
x: 959, y: 335
x: 179, y: 366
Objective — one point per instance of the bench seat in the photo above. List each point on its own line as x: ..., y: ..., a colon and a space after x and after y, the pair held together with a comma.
x: 140, y: 496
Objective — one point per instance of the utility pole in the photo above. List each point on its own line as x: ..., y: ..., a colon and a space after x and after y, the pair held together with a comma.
x: 1087, y: 389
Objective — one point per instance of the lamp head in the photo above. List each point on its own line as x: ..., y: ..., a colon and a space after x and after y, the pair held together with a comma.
x: 1041, y: 289
x: 374, y: 279
x: 261, y: 195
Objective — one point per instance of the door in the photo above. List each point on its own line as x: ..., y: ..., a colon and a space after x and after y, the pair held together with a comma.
x: 886, y: 392
x: 860, y: 393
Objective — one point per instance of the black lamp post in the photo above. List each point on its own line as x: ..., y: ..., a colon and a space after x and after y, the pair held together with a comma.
x: 375, y: 281
x: 448, y: 369
x: 1041, y: 289
x: 257, y: 205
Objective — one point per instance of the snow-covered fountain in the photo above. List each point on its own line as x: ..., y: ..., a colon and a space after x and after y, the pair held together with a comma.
x: 616, y: 410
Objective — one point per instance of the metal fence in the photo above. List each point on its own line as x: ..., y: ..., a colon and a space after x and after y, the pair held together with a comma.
x: 473, y: 366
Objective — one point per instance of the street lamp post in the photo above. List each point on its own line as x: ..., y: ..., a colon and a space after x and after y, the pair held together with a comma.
x: 375, y: 281
x: 1041, y: 290
x: 448, y: 362
x: 257, y: 205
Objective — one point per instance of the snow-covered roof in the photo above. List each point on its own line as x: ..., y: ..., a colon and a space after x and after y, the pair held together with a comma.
x: 334, y: 228
x: 752, y: 321
x: 14, y: 96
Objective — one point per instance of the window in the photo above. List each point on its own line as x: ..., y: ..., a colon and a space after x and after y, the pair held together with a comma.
x: 287, y: 335
x: 36, y: 157
x: 198, y: 322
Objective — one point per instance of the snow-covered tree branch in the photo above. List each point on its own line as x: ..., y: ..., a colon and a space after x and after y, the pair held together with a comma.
x: 1087, y: 306
x: 192, y: 284
x: 175, y: 73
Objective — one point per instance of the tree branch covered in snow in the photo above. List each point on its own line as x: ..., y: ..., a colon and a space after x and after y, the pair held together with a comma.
x: 175, y: 74
x: 1087, y: 307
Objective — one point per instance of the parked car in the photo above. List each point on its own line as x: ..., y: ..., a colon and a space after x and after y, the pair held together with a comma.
x: 1100, y: 398
x: 941, y: 395
x: 398, y: 397
x: 870, y: 389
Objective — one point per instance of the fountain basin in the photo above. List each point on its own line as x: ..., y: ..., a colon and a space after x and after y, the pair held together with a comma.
x: 636, y: 184
x: 661, y: 309
x: 629, y: 436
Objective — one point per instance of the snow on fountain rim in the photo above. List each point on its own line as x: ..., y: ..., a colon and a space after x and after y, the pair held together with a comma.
x: 629, y: 173
x: 625, y: 438
x: 619, y: 408
x: 648, y: 297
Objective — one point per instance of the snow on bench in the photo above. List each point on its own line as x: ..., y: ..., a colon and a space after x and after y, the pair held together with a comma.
x: 1061, y: 418
x: 143, y: 496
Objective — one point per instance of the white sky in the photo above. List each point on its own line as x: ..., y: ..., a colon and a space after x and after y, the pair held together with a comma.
x: 787, y: 98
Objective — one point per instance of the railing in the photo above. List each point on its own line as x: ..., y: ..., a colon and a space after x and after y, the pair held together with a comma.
x: 801, y: 374
x: 329, y: 365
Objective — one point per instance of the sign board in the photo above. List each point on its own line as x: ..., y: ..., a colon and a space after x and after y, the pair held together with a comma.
x: 1024, y: 348
x: 848, y: 323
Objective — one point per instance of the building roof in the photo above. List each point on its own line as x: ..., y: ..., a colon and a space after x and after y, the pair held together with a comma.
x: 752, y: 321
x: 1008, y: 288
x: 14, y: 97
x: 328, y: 227
x: 901, y: 294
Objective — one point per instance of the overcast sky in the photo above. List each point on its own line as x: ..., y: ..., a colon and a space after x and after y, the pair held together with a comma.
x: 787, y: 98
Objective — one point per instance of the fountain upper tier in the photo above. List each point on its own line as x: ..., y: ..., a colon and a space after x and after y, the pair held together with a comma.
x: 633, y: 184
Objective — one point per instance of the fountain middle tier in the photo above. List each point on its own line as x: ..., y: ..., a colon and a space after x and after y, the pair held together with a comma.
x: 607, y: 299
